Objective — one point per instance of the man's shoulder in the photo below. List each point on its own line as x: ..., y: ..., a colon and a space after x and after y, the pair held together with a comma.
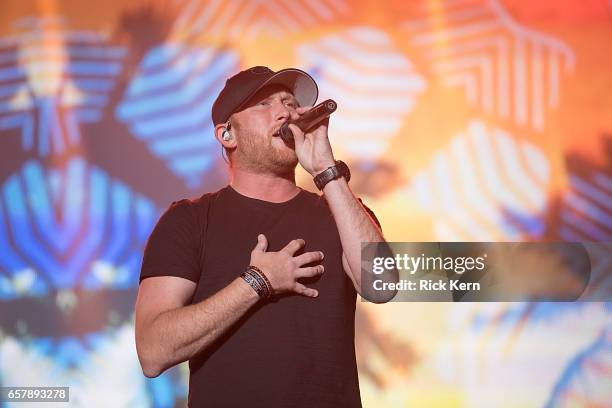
x: 190, y: 210
x: 196, y: 203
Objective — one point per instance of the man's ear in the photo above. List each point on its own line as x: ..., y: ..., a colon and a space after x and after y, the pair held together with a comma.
x: 225, y: 136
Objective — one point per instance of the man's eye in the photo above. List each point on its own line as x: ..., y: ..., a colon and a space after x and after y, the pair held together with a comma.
x: 264, y: 103
x: 291, y: 105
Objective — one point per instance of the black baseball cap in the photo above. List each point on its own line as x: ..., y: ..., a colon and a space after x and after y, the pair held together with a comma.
x: 242, y: 86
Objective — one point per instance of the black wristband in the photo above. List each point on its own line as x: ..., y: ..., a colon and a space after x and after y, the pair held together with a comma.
x: 340, y: 169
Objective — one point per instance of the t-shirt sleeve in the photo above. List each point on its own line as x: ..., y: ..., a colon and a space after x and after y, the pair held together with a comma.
x: 174, y: 246
x: 371, y: 213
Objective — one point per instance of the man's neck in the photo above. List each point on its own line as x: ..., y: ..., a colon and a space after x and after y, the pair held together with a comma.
x: 267, y: 187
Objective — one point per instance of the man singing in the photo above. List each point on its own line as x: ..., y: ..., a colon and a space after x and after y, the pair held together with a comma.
x: 256, y: 284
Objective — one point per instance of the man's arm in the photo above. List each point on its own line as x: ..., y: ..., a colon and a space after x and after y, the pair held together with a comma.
x: 168, y: 332
x: 356, y: 226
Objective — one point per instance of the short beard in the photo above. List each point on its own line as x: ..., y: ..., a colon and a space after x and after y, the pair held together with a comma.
x: 255, y: 156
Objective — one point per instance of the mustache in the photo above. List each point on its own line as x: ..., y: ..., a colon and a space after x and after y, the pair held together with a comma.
x: 276, y: 129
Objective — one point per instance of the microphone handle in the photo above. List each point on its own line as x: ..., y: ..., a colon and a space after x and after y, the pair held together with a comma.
x: 310, y: 119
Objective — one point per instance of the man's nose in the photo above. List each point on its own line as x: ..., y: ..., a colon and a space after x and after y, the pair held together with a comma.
x: 284, y: 113
x: 287, y: 113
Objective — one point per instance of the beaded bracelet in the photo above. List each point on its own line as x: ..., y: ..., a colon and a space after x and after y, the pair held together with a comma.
x: 265, y: 278
x: 258, y: 281
x: 253, y: 283
x: 258, y: 275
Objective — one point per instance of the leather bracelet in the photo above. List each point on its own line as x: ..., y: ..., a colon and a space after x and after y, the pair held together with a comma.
x: 252, y: 282
x: 265, y: 278
x: 260, y: 282
x: 339, y: 169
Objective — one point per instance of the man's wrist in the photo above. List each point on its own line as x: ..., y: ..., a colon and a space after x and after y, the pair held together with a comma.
x: 338, y: 170
x: 247, y: 291
x: 258, y: 281
x: 334, y: 183
x: 322, y: 167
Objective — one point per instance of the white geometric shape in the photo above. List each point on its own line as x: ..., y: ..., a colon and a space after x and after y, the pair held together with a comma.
x: 472, y: 31
x: 373, y: 83
x: 482, y: 187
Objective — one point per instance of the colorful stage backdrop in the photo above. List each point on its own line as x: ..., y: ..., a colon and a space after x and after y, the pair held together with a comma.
x: 462, y: 120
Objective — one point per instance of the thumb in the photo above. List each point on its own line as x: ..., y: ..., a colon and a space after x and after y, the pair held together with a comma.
x: 262, y: 243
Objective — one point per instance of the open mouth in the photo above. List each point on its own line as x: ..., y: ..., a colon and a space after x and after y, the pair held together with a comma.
x: 277, y: 130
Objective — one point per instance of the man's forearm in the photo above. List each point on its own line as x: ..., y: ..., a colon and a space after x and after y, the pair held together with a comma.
x: 177, y: 335
x: 354, y: 225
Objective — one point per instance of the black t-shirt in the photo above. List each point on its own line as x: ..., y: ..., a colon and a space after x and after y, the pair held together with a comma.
x: 292, y: 352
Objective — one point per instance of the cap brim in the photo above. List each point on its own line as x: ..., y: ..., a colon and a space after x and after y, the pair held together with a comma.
x: 302, y: 85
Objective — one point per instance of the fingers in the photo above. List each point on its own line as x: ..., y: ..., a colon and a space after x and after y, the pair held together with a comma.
x: 293, y: 246
x: 303, y: 109
x: 324, y: 124
x: 298, y: 135
x: 309, y: 272
x: 303, y: 290
x: 262, y: 243
x: 308, y: 257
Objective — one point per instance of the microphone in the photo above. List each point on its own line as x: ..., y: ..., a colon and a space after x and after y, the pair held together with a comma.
x: 309, y: 120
